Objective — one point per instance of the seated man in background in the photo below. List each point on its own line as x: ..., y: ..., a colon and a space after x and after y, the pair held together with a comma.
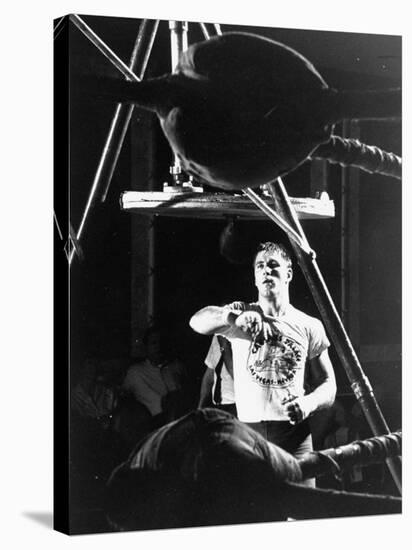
x: 94, y: 400
x: 157, y: 381
x: 217, y: 382
x: 94, y: 395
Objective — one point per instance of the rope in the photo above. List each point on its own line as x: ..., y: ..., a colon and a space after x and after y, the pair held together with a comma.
x: 351, y: 152
x: 369, y: 451
x: 379, y: 447
x: 335, y: 468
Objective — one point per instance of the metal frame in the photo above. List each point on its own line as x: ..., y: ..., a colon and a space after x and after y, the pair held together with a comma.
x: 123, y: 113
x: 287, y: 220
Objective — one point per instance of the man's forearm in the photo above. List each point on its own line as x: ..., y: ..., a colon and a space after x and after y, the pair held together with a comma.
x: 212, y: 319
x: 205, y: 397
x: 324, y: 382
x: 322, y: 397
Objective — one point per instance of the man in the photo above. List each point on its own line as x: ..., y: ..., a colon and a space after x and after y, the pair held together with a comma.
x: 197, y: 471
x: 274, y: 345
x: 217, y: 383
x: 157, y: 382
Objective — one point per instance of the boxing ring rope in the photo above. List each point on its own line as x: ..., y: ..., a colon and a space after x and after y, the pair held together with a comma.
x: 122, y: 116
x: 306, y: 258
x: 351, y: 152
x: 358, y: 453
x: 313, y: 503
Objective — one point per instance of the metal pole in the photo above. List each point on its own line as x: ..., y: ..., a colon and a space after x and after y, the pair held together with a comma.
x: 208, y: 34
x: 138, y: 64
x: 205, y: 31
x: 121, y: 118
x: 359, y: 382
x: 178, y: 43
x: 274, y: 216
x: 103, y: 48
x: 217, y: 28
x: 58, y: 27
x: 343, y: 235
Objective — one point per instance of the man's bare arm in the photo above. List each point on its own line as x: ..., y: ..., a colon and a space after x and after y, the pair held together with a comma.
x: 321, y: 397
x: 205, y: 398
x: 213, y: 319
x: 324, y: 380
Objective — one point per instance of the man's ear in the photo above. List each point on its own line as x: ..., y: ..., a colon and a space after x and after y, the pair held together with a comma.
x: 290, y: 274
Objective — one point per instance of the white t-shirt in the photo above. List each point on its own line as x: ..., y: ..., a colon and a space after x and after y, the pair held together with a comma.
x: 274, y: 372
x: 226, y: 374
x: 150, y: 384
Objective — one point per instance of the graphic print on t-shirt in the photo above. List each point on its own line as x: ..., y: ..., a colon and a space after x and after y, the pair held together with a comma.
x: 275, y: 363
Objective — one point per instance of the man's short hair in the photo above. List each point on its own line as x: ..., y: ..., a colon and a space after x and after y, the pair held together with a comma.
x: 274, y: 247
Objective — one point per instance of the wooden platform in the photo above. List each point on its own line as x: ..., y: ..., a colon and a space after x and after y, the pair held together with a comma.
x: 215, y: 205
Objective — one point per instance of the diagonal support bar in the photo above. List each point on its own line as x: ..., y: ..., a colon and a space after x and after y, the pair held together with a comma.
x: 359, y: 382
x: 103, y: 48
x: 122, y: 116
x: 215, y: 30
x: 205, y: 30
x: 120, y: 123
x: 58, y: 27
x: 274, y: 216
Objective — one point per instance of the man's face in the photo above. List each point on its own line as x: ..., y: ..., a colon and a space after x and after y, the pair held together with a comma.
x: 154, y: 347
x: 272, y: 273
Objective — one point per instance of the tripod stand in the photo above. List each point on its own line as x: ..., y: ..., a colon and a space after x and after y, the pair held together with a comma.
x: 283, y: 213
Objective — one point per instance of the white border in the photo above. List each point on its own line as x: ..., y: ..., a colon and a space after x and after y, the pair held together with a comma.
x: 26, y: 282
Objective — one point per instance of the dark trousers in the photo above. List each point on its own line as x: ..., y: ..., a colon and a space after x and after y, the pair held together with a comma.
x: 295, y: 439
x: 229, y: 407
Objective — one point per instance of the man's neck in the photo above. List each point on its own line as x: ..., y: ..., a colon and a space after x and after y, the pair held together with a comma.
x: 274, y: 307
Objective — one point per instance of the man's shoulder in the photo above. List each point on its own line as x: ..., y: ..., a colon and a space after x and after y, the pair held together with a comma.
x: 137, y: 368
x: 304, y: 318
